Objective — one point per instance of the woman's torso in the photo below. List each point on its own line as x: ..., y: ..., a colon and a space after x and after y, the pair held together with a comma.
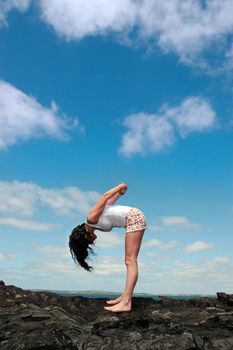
x: 112, y: 216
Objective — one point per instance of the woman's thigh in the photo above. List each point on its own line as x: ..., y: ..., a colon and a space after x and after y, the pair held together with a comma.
x: 133, y: 243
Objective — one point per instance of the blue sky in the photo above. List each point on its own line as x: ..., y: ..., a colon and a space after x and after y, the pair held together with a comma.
x: 117, y: 96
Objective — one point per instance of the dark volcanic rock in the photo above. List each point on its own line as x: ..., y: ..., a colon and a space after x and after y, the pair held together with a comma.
x: 226, y: 298
x: 47, y: 321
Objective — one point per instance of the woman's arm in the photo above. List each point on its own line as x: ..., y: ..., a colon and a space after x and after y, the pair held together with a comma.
x: 119, y: 188
x: 97, y: 210
x: 114, y: 198
x: 117, y: 196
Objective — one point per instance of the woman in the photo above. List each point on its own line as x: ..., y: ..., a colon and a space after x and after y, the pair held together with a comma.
x: 104, y: 216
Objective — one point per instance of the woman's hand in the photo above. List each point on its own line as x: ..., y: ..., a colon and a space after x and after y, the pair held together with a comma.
x: 123, y: 188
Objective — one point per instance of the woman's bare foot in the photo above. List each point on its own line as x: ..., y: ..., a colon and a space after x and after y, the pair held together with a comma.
x: 115, y: 301
x: 122, y: 306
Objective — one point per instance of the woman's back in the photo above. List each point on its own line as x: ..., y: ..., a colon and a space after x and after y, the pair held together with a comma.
x: 112, y: 216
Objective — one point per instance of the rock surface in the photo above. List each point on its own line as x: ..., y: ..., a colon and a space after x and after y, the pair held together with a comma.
x: 47, y: 321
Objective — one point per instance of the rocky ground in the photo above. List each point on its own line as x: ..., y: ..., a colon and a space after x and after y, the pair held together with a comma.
x: 47, y: 321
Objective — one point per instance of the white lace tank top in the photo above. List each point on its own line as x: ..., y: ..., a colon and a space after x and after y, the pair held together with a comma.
x: 112, y: 216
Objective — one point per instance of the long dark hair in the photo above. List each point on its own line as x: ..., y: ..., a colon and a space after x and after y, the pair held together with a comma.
x: 80, y: 247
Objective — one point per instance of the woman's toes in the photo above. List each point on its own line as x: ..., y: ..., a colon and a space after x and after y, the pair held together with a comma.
x: 120, y: 307
x: 108, y: 308
x: 115, y: 301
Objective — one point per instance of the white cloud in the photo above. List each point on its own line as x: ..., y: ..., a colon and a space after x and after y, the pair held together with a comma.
x: 229, y: 58
x: 23, y: 198
x: 26, y: 224
x: 190, y: 28
x: 52, y: 268
x: 108, y: 239
x: 56, y: 251
x: 75, y: 19
x: 155, y: 228
x: 151, y: 254
x: 198, y: 246
x: 67, y: 200
x: 18, y: 197
x: 147, y: 133
x: 220, y: 260
x: 163, y: 274
x: 108, y: 265
x: 160, y: 244
x: 154, y: 133
x: 105, y: 265
x: 6, y: 256
x: 174, y: 275
x: 218, y: 269
x: 104, y: 240
x: 9, y: 5
x: 23, y: 118
x: 178, y: 222
x: 187, y: 28
x: 194, y: 114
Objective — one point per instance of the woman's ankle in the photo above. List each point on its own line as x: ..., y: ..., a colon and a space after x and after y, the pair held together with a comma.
x: 127, y: 298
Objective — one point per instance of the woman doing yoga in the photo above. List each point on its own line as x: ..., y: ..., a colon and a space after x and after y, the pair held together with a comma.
x: 104, y: 216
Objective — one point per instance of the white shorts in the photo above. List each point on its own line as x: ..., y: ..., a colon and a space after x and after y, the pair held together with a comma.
x: 135, y: 220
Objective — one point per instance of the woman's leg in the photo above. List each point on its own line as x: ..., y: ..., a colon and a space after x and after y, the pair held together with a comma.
x: 132, y: 246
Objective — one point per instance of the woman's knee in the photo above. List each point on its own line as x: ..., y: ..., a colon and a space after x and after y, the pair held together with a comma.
x: 130, y: 260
